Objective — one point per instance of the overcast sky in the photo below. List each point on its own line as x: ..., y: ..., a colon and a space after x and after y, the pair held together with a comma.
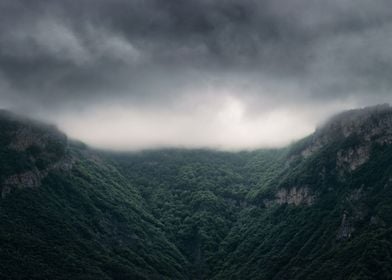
x: 193, y: 73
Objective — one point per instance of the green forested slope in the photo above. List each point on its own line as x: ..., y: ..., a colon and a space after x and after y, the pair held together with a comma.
x: 198, y: 195
x: 83, y: 221
x: 308, y: 242
x: 319, y: 209
x: 345, y: 232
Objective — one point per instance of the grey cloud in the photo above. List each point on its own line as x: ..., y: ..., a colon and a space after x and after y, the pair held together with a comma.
x: 63, y: 55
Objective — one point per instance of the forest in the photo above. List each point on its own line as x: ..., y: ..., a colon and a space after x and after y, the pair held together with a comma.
x: 320, y: 208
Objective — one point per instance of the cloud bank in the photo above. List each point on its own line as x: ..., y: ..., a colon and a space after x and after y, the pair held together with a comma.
x: 222, y: 74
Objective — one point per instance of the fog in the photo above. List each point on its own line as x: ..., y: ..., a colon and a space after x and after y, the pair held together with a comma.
x: 223, y: 74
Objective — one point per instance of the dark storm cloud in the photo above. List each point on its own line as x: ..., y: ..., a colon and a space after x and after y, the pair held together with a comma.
x: 58, y: 54
x: 68, y: 45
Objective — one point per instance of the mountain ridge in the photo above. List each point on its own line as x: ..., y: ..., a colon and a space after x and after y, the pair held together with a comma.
x: 314, y: 210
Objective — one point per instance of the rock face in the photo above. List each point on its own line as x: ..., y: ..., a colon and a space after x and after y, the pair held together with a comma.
x: 34, y: 149
x: 293, y: 196
x: 364, y: 127
x: 26, y: 137
x: 371, y: 123
x: 350, y: 138
x: 28, y: 179
x: 346, y: 228
x: 352, y: 158
x: 296, y: 196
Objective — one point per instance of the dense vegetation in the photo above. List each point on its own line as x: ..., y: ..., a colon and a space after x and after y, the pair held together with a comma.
x: 198, y: 195
x: 87, y: 222
x: 319, y: 209
x: 86, y: 225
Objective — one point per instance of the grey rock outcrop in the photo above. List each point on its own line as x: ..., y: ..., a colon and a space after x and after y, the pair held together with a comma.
x: 367, y: 126
x: 292, y: 196
x: 346, y: 228
x: 39, y: 147
x: 352, y: 158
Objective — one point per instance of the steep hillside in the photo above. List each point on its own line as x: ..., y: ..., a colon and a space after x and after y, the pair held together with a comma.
x: 328, y: 215
x: 67, y: 214
x: 316, y: 210
x: 319, y: 209
x: 198, y: 195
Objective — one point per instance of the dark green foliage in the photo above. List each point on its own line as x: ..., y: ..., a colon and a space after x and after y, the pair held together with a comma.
x: 289, y: 242
x: 88, y: 224
x: 194, y: 214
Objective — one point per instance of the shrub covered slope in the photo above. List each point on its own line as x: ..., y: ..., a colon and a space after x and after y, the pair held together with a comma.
x: 319, y: 209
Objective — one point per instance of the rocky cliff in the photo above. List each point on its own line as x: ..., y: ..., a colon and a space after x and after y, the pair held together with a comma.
x: 33, y: 148
x: 359, y: 128
x: 320, y: 209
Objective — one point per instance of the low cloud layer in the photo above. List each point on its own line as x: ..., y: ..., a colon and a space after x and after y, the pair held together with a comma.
x: 224, y: 74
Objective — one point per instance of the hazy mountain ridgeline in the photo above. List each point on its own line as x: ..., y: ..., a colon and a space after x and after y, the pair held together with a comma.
x: 328, y: 214
x: 319, y: 209
x: 66, y: 213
